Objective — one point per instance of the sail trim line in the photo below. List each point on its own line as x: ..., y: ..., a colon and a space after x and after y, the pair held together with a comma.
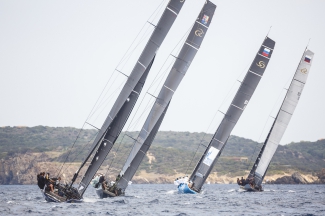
x: 107, y: 140
x: 254, y: 73
x: 300, y: 81
x: 192, y: 46
x: 267, y: 47
x: 172, y: 11
x: 237, y: 107
x: 218, y: 141
x: 263, y: 56
x: 202, y: 24
x: 169, y: 88
x: 142, y: 65
x: 286, y: 112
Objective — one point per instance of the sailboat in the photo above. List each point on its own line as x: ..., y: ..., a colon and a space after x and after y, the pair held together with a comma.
x: 159, y: 108
x: 280, y: 124
x: 119, y: 114
x: 213, y: 151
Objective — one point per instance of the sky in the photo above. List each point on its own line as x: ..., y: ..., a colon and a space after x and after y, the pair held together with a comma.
x: 57, y: 56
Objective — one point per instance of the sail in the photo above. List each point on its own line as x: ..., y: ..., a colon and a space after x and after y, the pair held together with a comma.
x: 130, y: 88
x: 283, y: 118
x: 175, y: 76
x: 113, y: 132
x: 236, y: 108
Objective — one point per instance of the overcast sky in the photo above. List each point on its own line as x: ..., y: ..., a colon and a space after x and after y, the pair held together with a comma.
x: 57, y: 56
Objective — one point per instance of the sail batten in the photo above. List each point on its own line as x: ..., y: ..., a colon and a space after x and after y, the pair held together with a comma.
x: 157, y: 113
x: 282, y: 119
x: 231, y: 117
x: 128, y: 96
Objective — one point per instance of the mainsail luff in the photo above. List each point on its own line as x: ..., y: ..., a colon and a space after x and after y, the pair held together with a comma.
x: 164, y: 24
x: 283, y: 117
x: 240, y: 101
x: 178, y: 71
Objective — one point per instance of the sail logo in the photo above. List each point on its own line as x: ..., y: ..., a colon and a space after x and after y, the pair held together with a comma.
x: 266, y: 52
x: 261, y: 64
x: 304, y: 70
x: 199, y: 32
x: 210, y: 156
x: 205, y: 19
x: 307, y: 59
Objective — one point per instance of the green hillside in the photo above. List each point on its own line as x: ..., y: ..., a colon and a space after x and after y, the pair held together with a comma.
x: 173, y: 151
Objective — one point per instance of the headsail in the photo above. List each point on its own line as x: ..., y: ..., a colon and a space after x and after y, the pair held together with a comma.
x: 237, y: 107
x: 156, y: 115
x: 128, y: 96
x: 282, y: 119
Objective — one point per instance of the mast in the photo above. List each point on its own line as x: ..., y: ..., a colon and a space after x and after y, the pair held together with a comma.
x: 283, y: 118
x: 157, y: 113
x: 128, y: 96
x: 237, y: 107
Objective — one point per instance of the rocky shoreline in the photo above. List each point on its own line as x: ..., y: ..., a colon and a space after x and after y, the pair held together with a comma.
x: 297, y: 178
x: 23, y: 170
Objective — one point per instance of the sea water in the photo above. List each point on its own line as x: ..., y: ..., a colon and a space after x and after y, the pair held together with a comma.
x: 154, y: 199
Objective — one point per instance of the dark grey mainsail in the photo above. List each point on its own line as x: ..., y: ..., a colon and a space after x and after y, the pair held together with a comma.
x: 282, y: 119
x: 236, y: 108
x: 128, y: 96
x: 156, y: 115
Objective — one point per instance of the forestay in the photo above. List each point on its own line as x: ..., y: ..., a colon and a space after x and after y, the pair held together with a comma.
x: 282, y: 119
x: 156, y: 115
x: 236, y: 108
x: 126, y: 100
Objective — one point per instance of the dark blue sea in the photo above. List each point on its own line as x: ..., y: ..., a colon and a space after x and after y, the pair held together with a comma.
x: 154, y: 199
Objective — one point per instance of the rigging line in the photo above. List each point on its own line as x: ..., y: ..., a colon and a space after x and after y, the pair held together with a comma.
x: 107, y: 101
x: 80, y: 152
x: 134, y: 124
x: 97, y: 102
x: 128, y: 56
x: 175, y: 47
x: 118, y: 148
x: 71, y: 148
x: 259, y: 139
x: 269, y: 31
x: 120, y: 143
x: 116, y: 152
x: 155, y: 80
x: 308, y: 44
x: 145, y: 24
x: 223, y: 101
x: 109, y: 79
x: 131, y: 124
x: 155, y: 13
x: 160, y: 77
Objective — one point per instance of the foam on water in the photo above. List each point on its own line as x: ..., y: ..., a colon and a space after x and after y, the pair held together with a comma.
x: 171, y: 192
x: 90, y: 200
x: 157, y: 200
